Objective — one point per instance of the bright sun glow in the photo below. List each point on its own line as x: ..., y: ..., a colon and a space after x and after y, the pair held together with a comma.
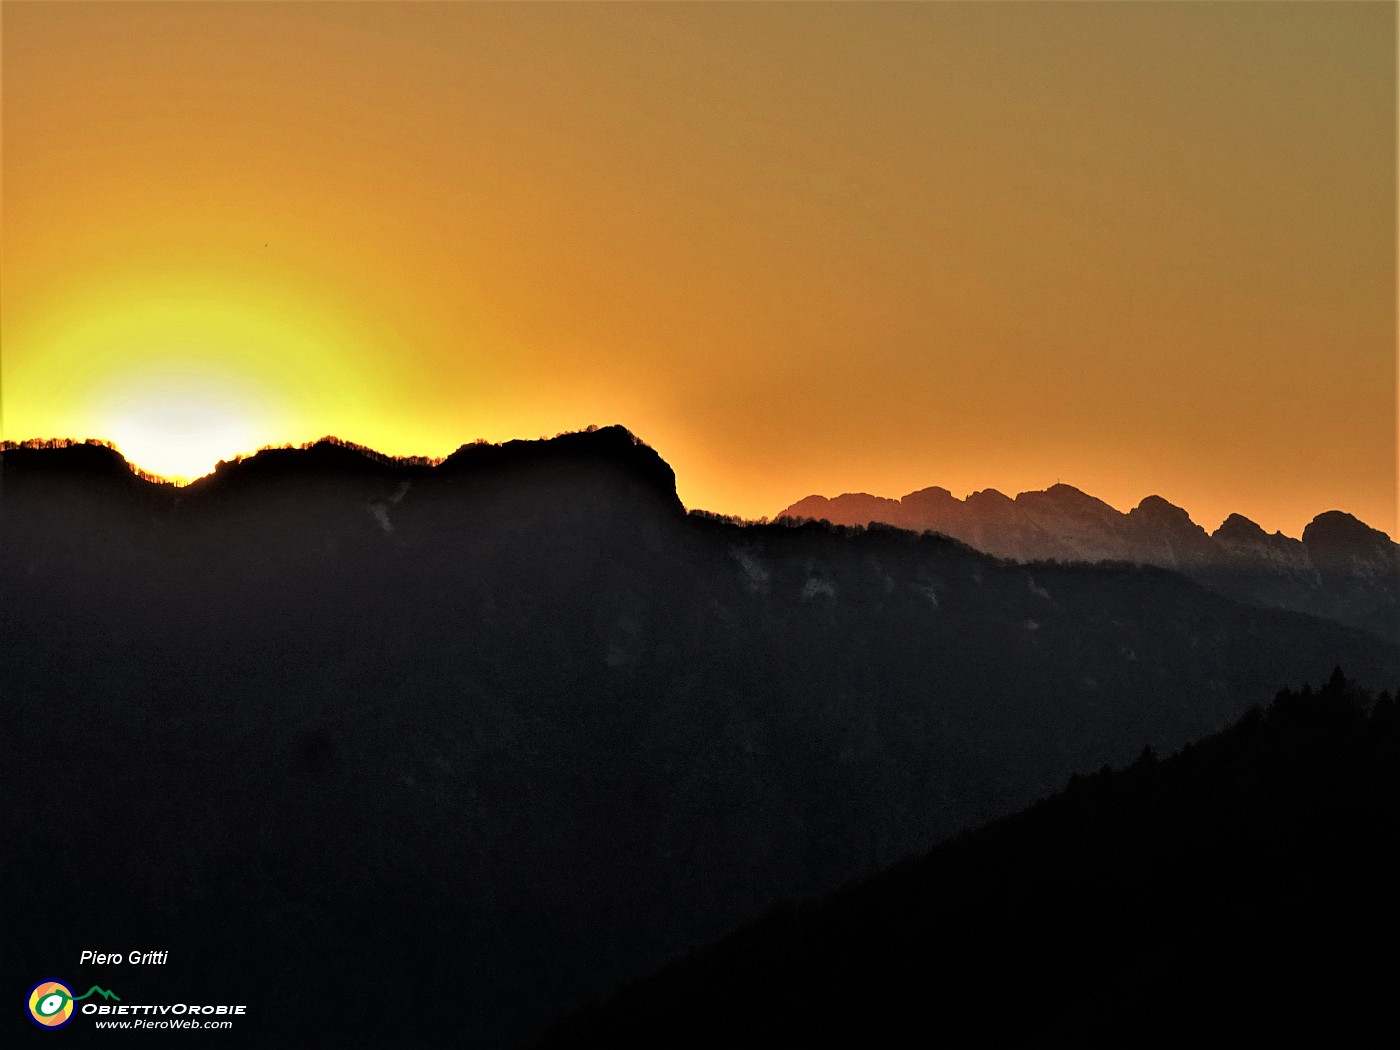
x: 180, y: 425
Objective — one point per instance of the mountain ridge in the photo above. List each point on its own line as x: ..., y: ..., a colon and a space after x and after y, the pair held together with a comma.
x: 1340, y: 568
x: 915, y: 509
x: 533, y: 719
x: 102, y: 459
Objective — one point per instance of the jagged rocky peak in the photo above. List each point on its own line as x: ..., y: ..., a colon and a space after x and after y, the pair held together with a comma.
x: 1157, y: 509
x: 850, y: 508
x: 1164, y: 534
x: 933, y: 492
x: 932, y: 508
x: 989, y: 498
x: 1339, y: 529
x: 1239, y: 529
x: 1158, y: 517
x: 807, y: 507
x: 855, y: 498
x: 1241, y: 540
x: 935, y: 497
x: 1062, y: 495
x: 1339, y: 543
x: 1065, y: 522
x: 1063, y: 507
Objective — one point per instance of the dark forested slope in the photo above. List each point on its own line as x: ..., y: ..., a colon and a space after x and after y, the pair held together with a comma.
x: 1245, y: 887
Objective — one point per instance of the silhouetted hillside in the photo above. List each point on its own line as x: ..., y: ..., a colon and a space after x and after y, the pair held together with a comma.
x: 1244, y: 888
x: 507, y: 730
x: 1341, y: 568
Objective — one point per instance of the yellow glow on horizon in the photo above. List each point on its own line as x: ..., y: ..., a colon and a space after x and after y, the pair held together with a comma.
x: 180, y: 372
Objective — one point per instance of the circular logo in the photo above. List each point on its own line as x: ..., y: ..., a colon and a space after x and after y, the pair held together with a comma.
x: 50, y: 1004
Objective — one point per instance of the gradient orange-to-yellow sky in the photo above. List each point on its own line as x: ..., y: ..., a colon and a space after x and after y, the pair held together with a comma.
x: 797, y: 248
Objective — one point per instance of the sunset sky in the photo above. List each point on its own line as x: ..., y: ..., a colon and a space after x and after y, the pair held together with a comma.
x: 797, y: 248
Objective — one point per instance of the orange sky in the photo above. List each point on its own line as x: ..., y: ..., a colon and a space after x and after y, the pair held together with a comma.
x: 797, y: 248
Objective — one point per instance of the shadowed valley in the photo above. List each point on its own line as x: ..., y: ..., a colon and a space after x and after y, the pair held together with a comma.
x: 1242, y: 886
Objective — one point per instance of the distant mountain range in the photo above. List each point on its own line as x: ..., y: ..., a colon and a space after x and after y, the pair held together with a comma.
x: 1341, y: 568
x: 492, y: 735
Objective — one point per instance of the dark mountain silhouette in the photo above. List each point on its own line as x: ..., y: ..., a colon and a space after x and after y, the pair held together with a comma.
x: 1245, y: 886
x: 505, y: 730
x: 1341, y: 568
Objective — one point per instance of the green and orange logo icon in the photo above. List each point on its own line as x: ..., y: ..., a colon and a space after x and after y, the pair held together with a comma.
x: 51, y: 1002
